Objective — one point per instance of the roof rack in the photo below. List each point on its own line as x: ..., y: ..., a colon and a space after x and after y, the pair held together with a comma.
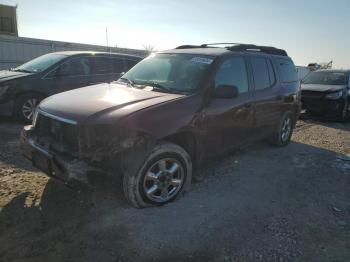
x: 241, y: 47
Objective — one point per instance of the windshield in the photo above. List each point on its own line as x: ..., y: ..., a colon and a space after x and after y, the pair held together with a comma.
x: 172, y: 72
x: 40, y: 63
x: 326, y: 78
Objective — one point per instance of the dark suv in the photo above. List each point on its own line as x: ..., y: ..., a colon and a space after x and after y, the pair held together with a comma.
x: 166, y: 115
x: 23, y: 87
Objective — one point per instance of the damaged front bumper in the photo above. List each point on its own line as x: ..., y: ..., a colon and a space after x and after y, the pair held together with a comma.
x: 325, y: 107
x: 53, y: 164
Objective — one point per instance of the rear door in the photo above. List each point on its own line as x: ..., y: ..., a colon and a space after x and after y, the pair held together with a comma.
x: 72, y: 73
x: 267, y: 97
x: 228, y: 123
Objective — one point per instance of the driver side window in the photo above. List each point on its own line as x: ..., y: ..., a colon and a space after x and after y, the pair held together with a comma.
x: 233, y: 72
x: 74, y: 67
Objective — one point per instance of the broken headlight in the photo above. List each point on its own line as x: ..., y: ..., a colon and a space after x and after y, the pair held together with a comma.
x: 335, y: 95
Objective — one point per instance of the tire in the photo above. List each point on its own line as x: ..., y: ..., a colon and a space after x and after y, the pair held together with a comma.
x: 165, y: 175
x: 345, y: 114
x: 283, y: 133
x: 25, y: 106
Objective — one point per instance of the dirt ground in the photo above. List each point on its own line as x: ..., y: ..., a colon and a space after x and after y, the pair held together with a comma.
x: 259, y: 204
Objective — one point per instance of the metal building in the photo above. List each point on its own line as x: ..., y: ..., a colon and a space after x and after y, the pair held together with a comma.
x: 15, y: 51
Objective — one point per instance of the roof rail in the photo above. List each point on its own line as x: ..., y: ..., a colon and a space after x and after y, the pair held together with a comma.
x: 257, y: 48
x: 241, y: 47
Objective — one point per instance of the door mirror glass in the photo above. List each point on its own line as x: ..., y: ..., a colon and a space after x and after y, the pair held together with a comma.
x: 225, y: 91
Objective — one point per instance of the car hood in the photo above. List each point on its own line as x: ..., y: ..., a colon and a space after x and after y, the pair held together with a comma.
x: 103, y: 103
x: 322, y: 88
x: 6, y: 75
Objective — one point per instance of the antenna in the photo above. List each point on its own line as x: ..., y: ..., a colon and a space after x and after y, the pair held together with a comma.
x: 107, y: 40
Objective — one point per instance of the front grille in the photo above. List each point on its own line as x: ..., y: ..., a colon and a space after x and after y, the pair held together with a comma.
x: 59, y: 135
x: 311, y: 94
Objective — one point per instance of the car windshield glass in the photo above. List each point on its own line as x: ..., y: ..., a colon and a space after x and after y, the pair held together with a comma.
x: 170, y: 72
x: 326, y: 78
x: 40, y: 63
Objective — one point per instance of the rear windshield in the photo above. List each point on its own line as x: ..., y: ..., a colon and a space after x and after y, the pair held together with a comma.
x: 326, y: 78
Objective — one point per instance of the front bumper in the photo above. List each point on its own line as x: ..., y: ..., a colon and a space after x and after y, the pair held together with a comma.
x: 51, y: 163
x: 322, y: 106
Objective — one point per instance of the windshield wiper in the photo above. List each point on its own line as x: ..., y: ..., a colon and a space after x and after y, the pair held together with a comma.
x: 130, y: 82
x: 160, y: 87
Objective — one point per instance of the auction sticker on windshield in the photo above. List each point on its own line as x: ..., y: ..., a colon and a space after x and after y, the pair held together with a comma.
x: 202, y: 60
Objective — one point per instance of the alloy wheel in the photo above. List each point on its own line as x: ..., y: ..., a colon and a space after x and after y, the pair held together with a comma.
x: 163, y: 180
x: 286, y: 129
x: 28, y: 108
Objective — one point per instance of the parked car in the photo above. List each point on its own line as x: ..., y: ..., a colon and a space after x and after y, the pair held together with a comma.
x: 23, y: 87
x: 327, y: 93
x: 166, y: 115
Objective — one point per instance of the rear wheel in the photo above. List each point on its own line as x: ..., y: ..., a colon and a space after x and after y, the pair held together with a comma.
x: 284, y: 130
x: 163, y: 177
x: 345, y: 115
x: 25, y: 106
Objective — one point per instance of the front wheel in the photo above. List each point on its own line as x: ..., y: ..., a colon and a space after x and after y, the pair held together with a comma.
x: 283, y: 133
x: 163, y: 177
x: 25, y: 106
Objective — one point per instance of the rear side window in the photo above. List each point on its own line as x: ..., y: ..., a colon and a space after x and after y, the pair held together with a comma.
x: 233, y: 72
x: 130, y: 63
x: 118, y: 65
x: 261, y: 73
x: 102, y: 65
x: 287, y: 70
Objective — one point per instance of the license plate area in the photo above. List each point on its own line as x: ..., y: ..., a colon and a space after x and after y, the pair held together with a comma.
x: 42, y: 162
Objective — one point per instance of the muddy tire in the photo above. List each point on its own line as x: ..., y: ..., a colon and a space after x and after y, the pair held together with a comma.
x: 25, y: 106
x: 345, y: 115
x: 283, y: 133
x: 164, y: 176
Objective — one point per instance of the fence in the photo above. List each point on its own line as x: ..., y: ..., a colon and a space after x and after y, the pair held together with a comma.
x: 18, y: 50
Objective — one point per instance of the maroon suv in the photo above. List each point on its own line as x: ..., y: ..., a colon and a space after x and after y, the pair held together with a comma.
x: 166, y: 115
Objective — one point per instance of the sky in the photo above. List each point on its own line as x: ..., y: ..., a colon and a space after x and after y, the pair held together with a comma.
x: 310, y: 31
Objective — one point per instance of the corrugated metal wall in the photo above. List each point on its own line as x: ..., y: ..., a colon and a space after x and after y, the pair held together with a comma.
x: 18, y: 50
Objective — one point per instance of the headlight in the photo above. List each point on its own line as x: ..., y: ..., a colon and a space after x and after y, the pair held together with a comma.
x: 335, y: 95
x: 3, y: 89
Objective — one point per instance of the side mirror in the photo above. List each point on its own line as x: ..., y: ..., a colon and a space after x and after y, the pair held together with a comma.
x: 121, y: 74
x: 225, y: 91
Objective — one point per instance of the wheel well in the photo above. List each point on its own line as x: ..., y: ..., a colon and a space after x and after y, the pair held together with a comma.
x: 29, y: 92
x: 186, y: 141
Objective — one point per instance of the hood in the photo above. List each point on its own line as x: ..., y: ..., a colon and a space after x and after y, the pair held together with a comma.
x: 103, y: 103
x: 6, y: 75
x: 322, y: 88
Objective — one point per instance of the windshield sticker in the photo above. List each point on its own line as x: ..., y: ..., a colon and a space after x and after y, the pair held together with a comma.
x: 202, y: 60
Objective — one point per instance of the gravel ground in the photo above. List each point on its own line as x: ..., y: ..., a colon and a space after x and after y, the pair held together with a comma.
x: 259, y: 204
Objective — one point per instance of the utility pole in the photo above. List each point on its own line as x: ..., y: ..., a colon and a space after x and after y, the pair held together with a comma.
x: 107, y: 39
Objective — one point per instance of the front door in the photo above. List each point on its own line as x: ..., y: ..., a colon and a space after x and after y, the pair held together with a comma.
x: 228, y: 123
x: 71, y: 74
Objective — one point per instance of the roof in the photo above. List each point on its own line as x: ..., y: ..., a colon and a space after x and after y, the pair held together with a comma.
x: 72, y: 53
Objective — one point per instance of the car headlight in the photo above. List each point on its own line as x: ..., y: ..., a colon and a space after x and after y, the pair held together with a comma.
x: 3, y: 89
x: 335, y: 95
